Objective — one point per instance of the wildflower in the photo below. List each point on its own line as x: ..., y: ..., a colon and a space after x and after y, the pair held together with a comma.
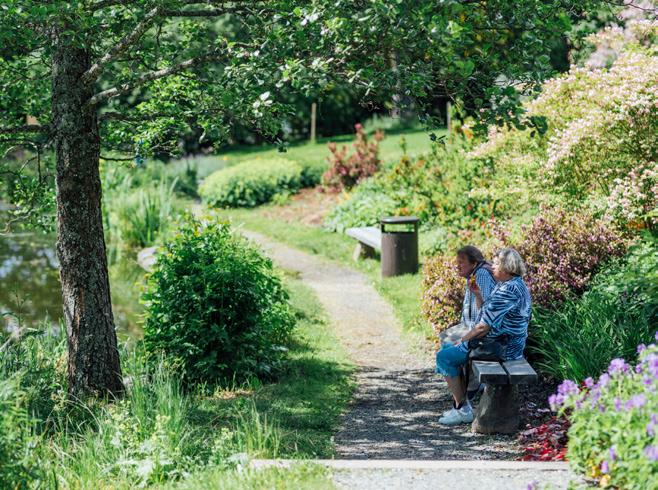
x: 641, y: 348
x: 651, y: 452
x: 604, y: 467
x: 636, y: 401
x: 612, y: 453
x: 589, y: 382
x: 605, y: 481
x: 617, y: 366
x: 568, y: 387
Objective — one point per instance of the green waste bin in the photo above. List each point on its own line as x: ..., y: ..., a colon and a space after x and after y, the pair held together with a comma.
x: 399, y: 245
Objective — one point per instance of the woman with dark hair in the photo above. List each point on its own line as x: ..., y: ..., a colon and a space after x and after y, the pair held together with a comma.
x: 471, y: 266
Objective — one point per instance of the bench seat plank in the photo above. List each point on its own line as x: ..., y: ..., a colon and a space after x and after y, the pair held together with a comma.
x: 369, y: 235
x: 520, y: 372
x: 490, y: 372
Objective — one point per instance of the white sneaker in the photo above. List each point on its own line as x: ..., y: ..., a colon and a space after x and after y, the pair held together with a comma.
x: 456, y: 416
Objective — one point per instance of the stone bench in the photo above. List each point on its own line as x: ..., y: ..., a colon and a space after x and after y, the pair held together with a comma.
x: 498, y: 410
x: 369, y: 240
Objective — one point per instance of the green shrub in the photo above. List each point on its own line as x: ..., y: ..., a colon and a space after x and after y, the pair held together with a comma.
x: 609, y: 320
x: 312, y: 171
x: 251, y: 183
x: 215, y: 304
x: 365, y: 207
x: 613, y: 436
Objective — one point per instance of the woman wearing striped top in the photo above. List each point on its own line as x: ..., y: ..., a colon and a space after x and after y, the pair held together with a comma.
x: 503, y: 317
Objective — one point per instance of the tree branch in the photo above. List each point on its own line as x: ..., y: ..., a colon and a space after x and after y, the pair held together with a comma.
x: 28, y: 128
x: 118, y: 116
x: 111, y: 159
x: 203, y: 13
x: 154, y: 75
x: 122, y: 46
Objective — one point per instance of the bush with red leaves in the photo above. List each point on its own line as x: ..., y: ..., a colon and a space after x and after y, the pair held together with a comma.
x: 345, y: 172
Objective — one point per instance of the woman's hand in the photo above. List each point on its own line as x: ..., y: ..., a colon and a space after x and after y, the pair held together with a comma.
x: 473, y: 285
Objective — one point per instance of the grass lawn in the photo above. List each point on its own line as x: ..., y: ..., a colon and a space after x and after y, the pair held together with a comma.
x: 402, y: 292
x: 418, y: 142
x: 296, y: 416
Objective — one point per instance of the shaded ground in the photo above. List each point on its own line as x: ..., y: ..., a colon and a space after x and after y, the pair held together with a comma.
x: 398, y: 401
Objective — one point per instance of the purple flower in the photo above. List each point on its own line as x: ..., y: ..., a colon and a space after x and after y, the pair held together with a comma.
x: 651, y: 362
x: 617, y: 404
x: 532, y: 485
x: 656, y: 335
x: 651, y: 452
x: 604, y: 467
x: 556, y: 401
x: 568, y: 387
x: 604, y: 379
x: 589, y: 382
x: 651, y: 429
x: 617, y: 366
x: 612, y: 453
x: 641, y: 348
x: 636, y: 401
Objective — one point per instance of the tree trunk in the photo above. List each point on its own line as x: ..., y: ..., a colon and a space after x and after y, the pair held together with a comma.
x: 93, y: 361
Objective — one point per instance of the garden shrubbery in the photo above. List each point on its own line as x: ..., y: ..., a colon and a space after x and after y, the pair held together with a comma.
x: 613, y: 436
x: 617, y: 313
x: 215, y: 304
x: 252, y: 183
x: 345, y: 172
x: 443, y: 292
x: 563, y: 251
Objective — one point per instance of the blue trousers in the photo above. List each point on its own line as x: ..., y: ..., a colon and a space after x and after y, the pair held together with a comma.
x: 450, y: 359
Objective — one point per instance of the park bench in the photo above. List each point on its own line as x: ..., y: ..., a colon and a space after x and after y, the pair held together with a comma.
x: 498, y: 410
x: 369, y: 240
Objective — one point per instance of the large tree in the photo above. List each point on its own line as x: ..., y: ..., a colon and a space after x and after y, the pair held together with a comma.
x: 131, y: 75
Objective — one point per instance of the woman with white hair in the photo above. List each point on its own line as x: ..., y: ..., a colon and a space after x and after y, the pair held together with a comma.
x: 501, y: 331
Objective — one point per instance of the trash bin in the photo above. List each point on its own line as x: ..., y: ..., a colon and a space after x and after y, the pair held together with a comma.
x: 399, y: 245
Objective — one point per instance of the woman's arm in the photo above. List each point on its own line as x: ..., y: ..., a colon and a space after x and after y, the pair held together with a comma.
x: 480, y: 330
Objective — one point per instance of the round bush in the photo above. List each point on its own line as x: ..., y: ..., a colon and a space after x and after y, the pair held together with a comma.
x: 215, y: 304
x: 251, y: 183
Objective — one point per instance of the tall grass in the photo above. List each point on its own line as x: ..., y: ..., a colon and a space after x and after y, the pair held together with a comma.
x: 158, y: 432
x: 610, y: 320
x: 139, y: 206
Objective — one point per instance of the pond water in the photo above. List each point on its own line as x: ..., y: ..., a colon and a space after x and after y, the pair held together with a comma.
x: 30, y: 291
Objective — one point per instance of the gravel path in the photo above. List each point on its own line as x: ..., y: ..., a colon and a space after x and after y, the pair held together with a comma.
x: 394, y: 413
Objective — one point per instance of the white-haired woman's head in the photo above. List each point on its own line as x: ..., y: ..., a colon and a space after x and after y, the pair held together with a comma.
x: 507, y: 264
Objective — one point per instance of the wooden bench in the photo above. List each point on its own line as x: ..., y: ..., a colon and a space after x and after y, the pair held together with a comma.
x: 498, y: 410
x: 369, y: 240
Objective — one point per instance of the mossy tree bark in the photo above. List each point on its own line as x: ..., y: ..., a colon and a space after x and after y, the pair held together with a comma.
x: 93, y: 362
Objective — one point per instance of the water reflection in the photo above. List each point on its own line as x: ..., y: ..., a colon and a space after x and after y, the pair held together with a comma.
x: 30, y: 288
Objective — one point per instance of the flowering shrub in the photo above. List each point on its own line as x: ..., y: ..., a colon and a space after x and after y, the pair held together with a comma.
x: 563, y: 251
x: 633, y: 196
x: 613, y: 436
x: 443, y: 292
x: 601, y: 129
x: 345, y: 172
